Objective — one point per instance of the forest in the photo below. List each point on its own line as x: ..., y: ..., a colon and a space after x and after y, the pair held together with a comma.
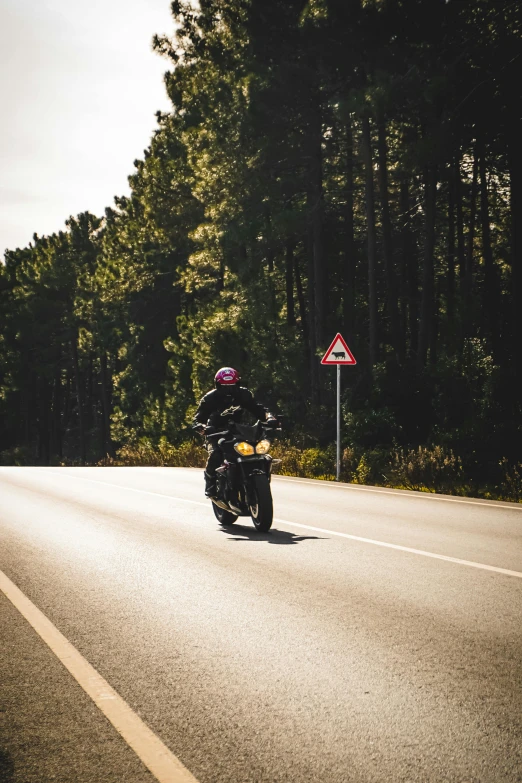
x: 327, y: 165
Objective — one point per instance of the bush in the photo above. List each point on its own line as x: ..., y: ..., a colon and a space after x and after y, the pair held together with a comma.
x: 511, y: 488
x: 304, y: 463
x: 370, y: 467
x: 187, y: 455
x: 18, y: 456
x: 370, y: 428
x: 436, y: 469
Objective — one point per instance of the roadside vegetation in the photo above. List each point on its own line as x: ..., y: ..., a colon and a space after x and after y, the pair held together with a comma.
x: 326, y: 166
x: 422, y: 469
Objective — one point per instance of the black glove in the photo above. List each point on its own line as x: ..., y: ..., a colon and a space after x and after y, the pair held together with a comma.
x: 271, y: 422
x: 200, y: 429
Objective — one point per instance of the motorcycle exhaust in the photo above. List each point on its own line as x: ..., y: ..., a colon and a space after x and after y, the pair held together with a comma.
x: 221, y: 504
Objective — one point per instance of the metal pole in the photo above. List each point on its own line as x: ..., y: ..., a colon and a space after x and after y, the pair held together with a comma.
x: 338, y: 422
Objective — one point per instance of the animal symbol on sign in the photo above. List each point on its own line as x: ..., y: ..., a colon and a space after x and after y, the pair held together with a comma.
x: 339, y: 354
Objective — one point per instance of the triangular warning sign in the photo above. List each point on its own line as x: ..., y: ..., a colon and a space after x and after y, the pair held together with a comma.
x: 338, y: 352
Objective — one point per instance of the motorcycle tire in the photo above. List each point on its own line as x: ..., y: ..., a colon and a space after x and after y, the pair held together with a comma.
x: 262, y: 512
x: 224, y: 518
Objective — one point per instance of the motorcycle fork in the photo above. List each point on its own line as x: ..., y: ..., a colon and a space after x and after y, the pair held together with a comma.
x: 227, y: 481
x: 247, y: 480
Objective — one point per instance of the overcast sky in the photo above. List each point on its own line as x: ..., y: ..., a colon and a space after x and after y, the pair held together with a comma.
x: 79, y: 86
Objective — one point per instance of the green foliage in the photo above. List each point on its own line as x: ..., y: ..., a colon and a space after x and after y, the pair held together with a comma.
x: 365, y: 470
x: 370, y: 427
x: 512, y: 480
x: 18, y: 456
x: 304, y: 463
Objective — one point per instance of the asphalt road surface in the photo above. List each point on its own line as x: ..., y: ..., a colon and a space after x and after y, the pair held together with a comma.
x: 372, y: 635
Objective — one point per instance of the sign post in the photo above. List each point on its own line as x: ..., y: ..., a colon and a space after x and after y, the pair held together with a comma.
x: 338, y: 469
x: 338, y: 353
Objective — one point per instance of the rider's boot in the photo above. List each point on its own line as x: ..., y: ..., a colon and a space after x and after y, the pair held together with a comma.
x: 210, y: 485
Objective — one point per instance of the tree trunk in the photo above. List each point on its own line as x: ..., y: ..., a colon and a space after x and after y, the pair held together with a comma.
x: 44, y: 433
x: 468, y: 277
x: 450, y: 274
x: 270, y: 240
x: 434, y: 337
x: 27, y: 408
x: 461, y: 255
x: 515, y: 178
x: 66, y: 404
x: 348, y: 280
x: 427, y: 300
x: 79, y: 399
x: 391, y: 278
x: 56, y: 437
x: 372, y: 243
x: 316, y: 210
x: 410, y: 267
x: 106, y: 406
x: 289, y: 284
x: 312, y: 337
x: 302, y: 312
x: 490, y: 300
x: 90, y: 395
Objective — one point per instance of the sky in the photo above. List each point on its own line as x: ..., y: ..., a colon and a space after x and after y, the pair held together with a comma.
x: 79, y: 88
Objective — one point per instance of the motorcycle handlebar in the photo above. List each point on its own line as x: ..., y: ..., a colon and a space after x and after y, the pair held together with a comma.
x: 213, y: 435
x: 272, y: 425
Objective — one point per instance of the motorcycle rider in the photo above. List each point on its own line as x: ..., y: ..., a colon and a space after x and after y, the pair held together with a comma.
x: 226, y: 394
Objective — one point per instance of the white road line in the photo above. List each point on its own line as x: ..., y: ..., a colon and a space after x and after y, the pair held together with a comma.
x: 161, y: 762
x: 129, y: 489
x: 470, y: 563
x: 408, y: 494
x: 501, y: 505
x: 422, y: 552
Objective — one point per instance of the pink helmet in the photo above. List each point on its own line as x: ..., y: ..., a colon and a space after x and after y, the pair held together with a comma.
x: 226, y: 376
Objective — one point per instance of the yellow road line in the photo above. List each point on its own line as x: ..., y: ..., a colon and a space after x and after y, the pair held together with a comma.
x: 161, y: 762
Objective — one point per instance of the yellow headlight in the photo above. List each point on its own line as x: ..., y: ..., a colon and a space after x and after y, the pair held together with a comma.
x: 263, y: 446
x: 244, y: 448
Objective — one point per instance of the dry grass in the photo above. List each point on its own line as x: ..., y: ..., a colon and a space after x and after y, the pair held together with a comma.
x: 187, y: 455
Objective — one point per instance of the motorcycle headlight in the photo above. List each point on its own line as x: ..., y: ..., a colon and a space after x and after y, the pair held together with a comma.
x: 262, y: 447
x: 245, y: 449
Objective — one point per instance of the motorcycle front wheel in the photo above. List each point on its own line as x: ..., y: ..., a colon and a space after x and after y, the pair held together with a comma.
x: 225, y: 518
x: 262, y: 511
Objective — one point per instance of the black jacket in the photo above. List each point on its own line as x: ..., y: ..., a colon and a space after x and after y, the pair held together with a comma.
x: 224, y: 397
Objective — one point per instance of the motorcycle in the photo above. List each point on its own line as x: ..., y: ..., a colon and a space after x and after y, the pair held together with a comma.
x: 243, y: 480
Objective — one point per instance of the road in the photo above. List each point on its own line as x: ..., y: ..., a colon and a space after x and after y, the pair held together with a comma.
x: 305, y: 655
